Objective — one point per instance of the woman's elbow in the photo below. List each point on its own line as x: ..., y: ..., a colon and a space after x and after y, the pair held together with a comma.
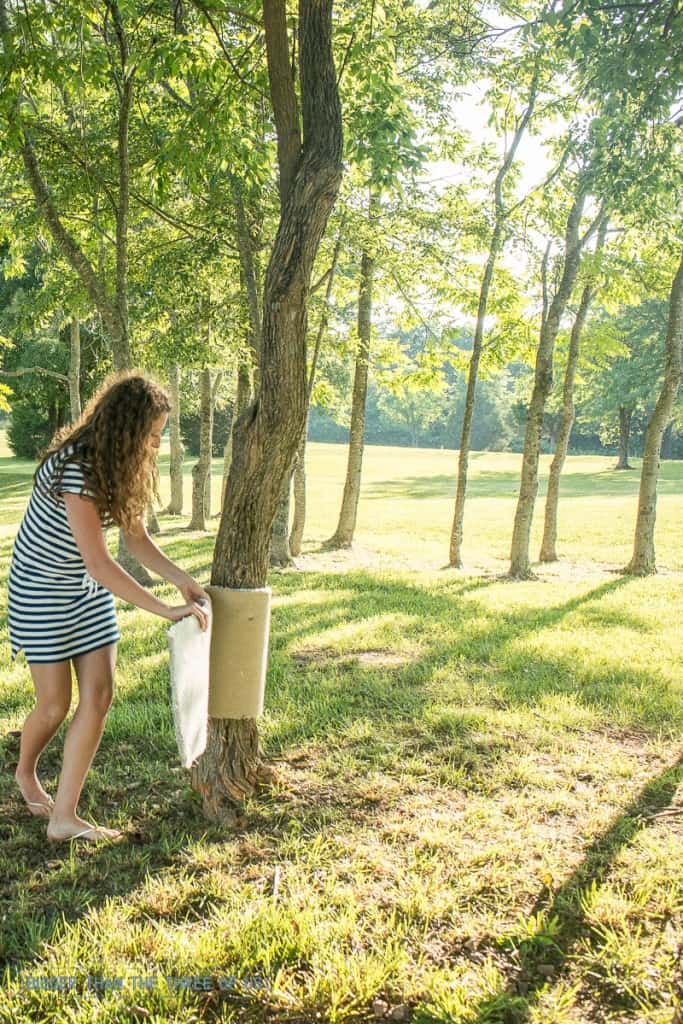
x: 98, y: 566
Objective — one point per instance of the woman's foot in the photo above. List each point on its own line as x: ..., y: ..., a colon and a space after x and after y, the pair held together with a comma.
x: 77, y: 828
x: 38, y: 801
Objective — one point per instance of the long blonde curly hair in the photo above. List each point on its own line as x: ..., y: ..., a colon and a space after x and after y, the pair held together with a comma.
x: 110, y: 441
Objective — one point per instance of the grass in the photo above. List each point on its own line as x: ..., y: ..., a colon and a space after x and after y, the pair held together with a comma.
x: 478, y: 814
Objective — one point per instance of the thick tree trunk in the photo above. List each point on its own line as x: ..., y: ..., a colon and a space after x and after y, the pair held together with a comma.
x: 643, y: 559
x: 346, y: 526
x: 625, y: 416
x: 75, y: 368
x: 175, y: 505
x: 201, y: 471
x: 549, y: 543
x: 543, y: 382
x: 667, y: 441
x: 266, y: 435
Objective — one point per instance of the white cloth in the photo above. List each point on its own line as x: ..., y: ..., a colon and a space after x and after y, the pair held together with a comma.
x: 189, y: 649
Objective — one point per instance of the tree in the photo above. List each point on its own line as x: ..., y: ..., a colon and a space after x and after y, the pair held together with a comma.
x: 514, y: 121
x: 267, y: 433
x: 346, y: 525
x: 549, y: 543
x: 622, y: 370
x: 553, y: 310
x: 175, y: 505
x: 643, y: 558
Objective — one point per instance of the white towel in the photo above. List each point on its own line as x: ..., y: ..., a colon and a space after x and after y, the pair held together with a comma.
x: 189, y: 656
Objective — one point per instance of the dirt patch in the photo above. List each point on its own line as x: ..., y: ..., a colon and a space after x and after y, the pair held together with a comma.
x: 373, y: 658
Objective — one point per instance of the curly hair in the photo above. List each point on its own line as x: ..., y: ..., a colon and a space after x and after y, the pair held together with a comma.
x: 109, y: 442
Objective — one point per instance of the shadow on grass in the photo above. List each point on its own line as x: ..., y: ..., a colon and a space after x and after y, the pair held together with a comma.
x: 505, y: 484
x: 566, y: 920
x: 133, y: 769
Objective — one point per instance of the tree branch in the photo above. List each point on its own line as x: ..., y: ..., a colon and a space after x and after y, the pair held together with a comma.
x: 35, y: 369
x: 283, y: 96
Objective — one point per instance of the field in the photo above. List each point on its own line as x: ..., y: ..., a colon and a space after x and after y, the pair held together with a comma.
x: 478, y: 816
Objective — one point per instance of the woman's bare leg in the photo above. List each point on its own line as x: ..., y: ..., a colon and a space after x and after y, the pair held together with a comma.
x: 53, y: 699
x: 95, y: 674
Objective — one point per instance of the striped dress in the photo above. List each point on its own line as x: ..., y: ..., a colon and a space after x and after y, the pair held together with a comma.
x: 56, y: 610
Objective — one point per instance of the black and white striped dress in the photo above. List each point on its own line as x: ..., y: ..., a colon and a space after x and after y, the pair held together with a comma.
x: 56, y: 609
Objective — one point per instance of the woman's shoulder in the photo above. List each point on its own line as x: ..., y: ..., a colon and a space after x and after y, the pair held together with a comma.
x: 68, y: 465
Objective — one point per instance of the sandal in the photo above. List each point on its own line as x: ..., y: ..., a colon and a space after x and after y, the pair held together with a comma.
x: 96, y: 829
x: 40, y: 803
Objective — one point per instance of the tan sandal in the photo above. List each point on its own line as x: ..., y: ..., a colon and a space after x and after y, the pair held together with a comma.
x: 79, y: 835
x: 40, y: 803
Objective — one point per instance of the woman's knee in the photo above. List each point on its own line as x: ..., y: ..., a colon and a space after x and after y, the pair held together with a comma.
x: 53, y: 710
x: 52, y: 684
x: 97, y: 699
x: 95, y: 674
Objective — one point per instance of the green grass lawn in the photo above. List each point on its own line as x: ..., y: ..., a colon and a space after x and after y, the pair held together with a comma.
x: 478, y: 816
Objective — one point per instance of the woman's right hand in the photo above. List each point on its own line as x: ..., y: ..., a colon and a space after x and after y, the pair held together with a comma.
x: 177, y: 612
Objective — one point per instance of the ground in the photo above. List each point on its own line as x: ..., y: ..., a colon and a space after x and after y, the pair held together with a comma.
x: 479, y: 808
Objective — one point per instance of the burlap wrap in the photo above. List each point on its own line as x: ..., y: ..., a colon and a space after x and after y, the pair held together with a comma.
x: 239, y: 651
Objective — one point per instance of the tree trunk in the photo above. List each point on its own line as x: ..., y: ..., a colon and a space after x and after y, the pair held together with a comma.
x: 346, y: 527
x: 296, y: 536
x: 242, y: 399
x: 549, y: 543
x: 152, y: 520
x: 280, y: 554
x: 75, y: 369
x: 268, y: 432
x: 643, y: 559
x: 299, y: 475
x: 175, y: 506
x: 114, y: 314
x: 625, y: 415
x: 249, y: 277
x: 202, y: 467
x: 667, y: 441
x: 455, y: 550
x: 543, y: 382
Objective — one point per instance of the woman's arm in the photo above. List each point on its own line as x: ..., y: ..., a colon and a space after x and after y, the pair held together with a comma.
x: 86, y: 527
x: 142, y: 547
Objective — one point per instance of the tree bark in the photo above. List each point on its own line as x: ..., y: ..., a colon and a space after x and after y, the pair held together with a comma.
x: 549, y: 543
x: 500, y: 218
x: 667, y: 441
x: 201, y: 471
x: 625, y: 415
x: 299, y: 475
x: 152, y: 520
x: 643, y: 559
x: 280, y: 555
x: 543, y: 381
x: 75, y: 368
x: 296, y: 535
x: 249, y: 277
x: 346, y: 526
x: 267, y: 433
x: 175, y: 506
x: 242, y: 399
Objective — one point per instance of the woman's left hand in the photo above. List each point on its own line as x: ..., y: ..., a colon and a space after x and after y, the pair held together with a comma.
x: 192, y: 591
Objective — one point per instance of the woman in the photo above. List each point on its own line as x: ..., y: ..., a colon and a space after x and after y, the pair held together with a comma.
x: 99, y: 472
